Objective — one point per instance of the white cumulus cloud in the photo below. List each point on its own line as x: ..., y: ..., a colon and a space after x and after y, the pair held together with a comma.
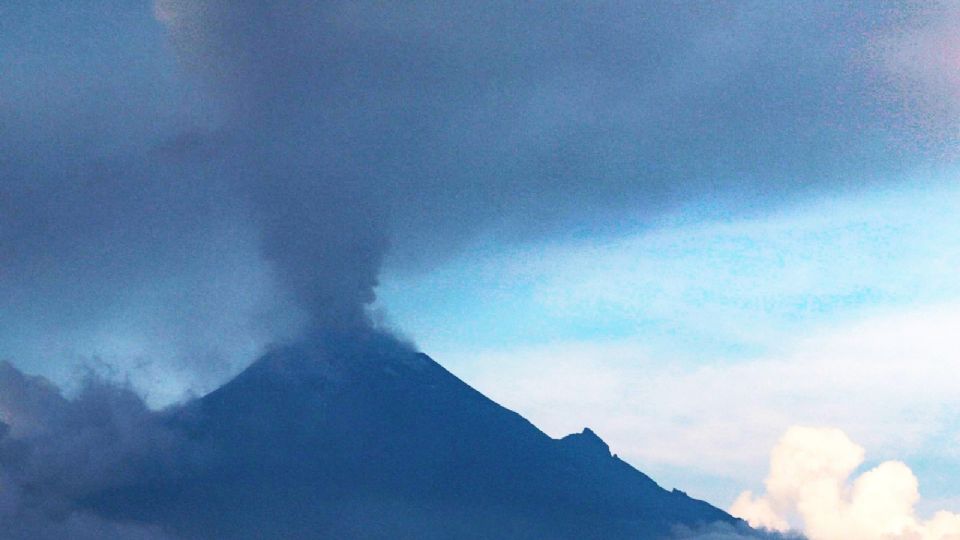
x: 811, y: 484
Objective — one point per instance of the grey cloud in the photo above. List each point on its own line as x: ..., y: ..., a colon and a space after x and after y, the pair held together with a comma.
x: 55, y: 452
x: 419, y: 124
x: 304, y: 146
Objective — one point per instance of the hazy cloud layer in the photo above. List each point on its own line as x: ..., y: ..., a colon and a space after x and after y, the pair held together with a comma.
x: 698, y: 287
x: 886, y: 380
x: 724, y: 531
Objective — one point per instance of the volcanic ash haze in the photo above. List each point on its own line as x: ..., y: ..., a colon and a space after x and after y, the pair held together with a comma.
x: 349, y: 127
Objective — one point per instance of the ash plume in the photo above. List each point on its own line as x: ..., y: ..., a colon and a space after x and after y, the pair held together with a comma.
x: 263, y: 163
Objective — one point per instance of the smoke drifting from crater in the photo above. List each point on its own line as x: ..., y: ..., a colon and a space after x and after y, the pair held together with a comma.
x: 350, y: 126
x: 294, y: 150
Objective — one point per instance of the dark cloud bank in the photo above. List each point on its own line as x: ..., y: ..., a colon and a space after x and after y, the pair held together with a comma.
x: 183, y: 192
x: 241, y: 176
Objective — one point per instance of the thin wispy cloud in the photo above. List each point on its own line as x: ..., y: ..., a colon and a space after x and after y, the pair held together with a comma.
x: 887, y: 381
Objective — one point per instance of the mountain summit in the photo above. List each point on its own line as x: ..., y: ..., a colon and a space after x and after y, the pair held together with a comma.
x: 378, y: 441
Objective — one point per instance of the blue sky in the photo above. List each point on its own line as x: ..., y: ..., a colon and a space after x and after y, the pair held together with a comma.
x: 698, y: 297
x: 730, y: 287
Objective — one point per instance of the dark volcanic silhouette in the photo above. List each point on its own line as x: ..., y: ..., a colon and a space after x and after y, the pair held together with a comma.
x: 378, y: 441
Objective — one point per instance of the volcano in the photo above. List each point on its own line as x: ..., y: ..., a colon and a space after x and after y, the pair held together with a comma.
x: 340, y: 440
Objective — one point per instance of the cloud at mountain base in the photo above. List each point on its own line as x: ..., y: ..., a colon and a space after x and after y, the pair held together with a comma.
x: 725, y: 531
x: 56, y: 452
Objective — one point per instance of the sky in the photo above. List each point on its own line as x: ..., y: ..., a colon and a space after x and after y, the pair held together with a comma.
x: 680, y: 343
x: 689, y: 226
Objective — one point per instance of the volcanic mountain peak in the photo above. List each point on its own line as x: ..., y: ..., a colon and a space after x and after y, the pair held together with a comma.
x: 587, y: 442
x: 375, y: 440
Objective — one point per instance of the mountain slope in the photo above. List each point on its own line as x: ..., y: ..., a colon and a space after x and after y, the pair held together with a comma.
x: 372, y: 440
